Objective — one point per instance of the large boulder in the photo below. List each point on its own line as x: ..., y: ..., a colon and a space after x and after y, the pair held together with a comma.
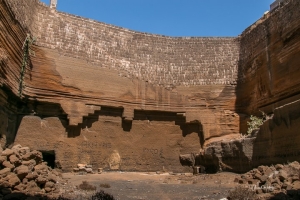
x: 14, y: 160
x: 7, y: 152
x: 12, y: 179
x: 35, y: 155
x: 4, y: 172
x: 7, y: 164
x: 32, y: 176
x: 21, y: 171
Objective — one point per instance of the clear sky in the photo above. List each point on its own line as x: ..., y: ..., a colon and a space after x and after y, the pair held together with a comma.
x: 172, y: 17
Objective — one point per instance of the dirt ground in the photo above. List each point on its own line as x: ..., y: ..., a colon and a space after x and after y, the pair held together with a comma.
x: 153, y: 186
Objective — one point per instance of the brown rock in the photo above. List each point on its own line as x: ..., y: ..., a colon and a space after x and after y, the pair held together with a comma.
x: 47, y: 189
x: 263, y: 178
x: 295, y: 178
x: 32, y: 176
x: 296, y: 185
x: 24, y: 150
x: 75, y: 169
x: 242, y: 181
x: 282, y: 175
x: 279, y: 166
x: 259, y: 191
x: 16, y: 147
x: 287, y: 186
x: 25, y: 181
x: 275, y: 180
x: 14, y: 160
x: 20, y: 187
x: 253, y: 181
x: 295, y: 165
x: 257, y: 176
x: 53, y: 178
x: 32, y: 187
x: 4, y: 183
x: 41, y: 180
x: 7, y: 152
x: 35, y: 155
x: 7, y: 164
x: 56, y: 172
x: 29, y: 163
x: 13, y: 180
x: 2, y: 159
x: 273, y: 168
x: 49, y: 184
x: 22, y: 171
x: 4, y: 172
x: 89, y: 170
x: 276, y: 186
x: 41, y: 167
x: 81, y: 165
x: 261, y: 168
x: 268, y: 171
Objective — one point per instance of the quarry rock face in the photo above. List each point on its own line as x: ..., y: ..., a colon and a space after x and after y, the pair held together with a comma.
x: 118, y: 99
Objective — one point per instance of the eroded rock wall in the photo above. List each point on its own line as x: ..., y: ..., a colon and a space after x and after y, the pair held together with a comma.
x: 268, y: 81
x: 126, y: 100
x: 94, y: 90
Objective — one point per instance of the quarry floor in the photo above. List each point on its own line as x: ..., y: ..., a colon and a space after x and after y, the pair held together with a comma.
x: 153, y: 186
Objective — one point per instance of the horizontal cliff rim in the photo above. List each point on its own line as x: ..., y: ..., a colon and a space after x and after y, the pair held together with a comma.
x: 143, y: 33
x: 139, y: 32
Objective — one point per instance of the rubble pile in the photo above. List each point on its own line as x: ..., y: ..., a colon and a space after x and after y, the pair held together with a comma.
x: 83, y: 168
x: 23, y: 170
x: 273, y: 179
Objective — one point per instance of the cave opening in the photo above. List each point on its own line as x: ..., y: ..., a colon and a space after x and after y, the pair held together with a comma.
x: 49, y: 157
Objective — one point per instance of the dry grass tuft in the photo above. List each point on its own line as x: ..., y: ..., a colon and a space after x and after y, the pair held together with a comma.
x: 104, y: 185
x: 242, y: 193
x: 86, y: 186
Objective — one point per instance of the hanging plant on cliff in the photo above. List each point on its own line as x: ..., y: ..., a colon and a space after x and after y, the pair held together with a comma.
x: 256, y: 122
x: 27, y: 52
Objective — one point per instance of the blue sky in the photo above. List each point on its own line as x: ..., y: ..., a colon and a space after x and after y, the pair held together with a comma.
x: 172, y: 17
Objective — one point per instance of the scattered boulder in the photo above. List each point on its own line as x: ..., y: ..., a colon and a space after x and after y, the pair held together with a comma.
x: 2, y: 159
x: 4, y: 172
x: 14, y: 160
x: 7, y: 152
x: 273, y: 179
x: 282, y: 175
x: 7, y: 164
x: 83, y: 168
x: 23, y: 170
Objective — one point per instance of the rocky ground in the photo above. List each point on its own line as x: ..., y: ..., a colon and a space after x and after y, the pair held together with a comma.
x: 24, y: 175
x: 277, y: 181
x: 22, y: 171
x: 152, y: 186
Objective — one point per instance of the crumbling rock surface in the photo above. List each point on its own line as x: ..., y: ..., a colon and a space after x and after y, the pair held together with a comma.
x: 26, y: 172
x: 227, y: 155
x: 273, y: 179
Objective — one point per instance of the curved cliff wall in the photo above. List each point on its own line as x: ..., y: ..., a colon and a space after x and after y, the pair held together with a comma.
x: 120, y: 99
x: 269, y: 71
x: 96, y: 92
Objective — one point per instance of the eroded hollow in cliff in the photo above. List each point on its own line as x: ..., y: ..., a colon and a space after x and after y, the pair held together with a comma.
x: 49, y: 157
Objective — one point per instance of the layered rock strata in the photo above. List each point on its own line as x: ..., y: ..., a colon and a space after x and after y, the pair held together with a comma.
x: 93, y: 92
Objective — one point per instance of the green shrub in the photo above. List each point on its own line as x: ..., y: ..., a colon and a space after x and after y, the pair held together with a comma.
x: 255, y: 122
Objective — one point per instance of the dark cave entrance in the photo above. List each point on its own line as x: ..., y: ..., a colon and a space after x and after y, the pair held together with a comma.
x: 49, y: 157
